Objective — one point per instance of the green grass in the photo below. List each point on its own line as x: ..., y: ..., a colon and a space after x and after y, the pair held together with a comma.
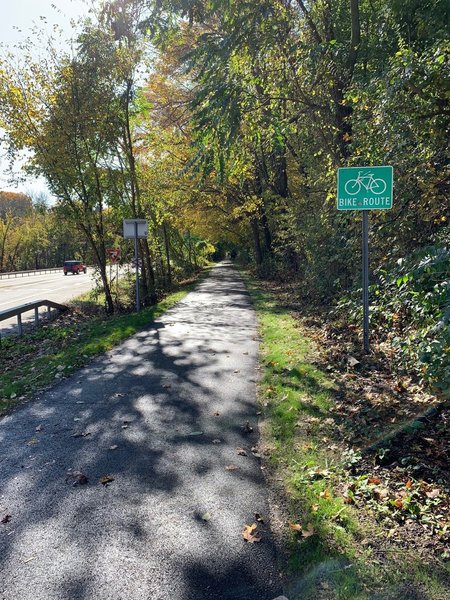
x: 33, y: 361
x: 297, y: 398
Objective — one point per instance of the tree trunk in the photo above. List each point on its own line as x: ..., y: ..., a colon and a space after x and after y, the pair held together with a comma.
x: 256, y: 241
x: 167, y: 251
x: 266, y: 232
x: 106, y: 289
x: 149, y: 274
x: 343, y: 113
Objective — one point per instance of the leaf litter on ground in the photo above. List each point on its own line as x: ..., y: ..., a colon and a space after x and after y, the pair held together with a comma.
x: 411, y: 502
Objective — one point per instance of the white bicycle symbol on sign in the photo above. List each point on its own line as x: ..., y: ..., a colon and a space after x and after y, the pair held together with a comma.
x: 367, y: 181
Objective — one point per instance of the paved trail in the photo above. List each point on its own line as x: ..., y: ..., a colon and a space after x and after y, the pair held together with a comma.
x: 142, y: 536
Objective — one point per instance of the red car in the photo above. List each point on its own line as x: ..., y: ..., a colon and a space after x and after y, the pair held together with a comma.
x: 74, y: 266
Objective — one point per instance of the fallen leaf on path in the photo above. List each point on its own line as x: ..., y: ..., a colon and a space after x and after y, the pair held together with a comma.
x: 217, y: 441
x: 374, y: 480
x: 433, y: 494
x: 114, y: 447
x: 318, y: 473
x: 216, y: 414
x: 391, y: 532
x: 27, y: 560
x: 315, y: 507
x: 81, y: 434
x: 206, y: 517
x: 231, y: 467
x: 33, y: 442
x: 76, y: 477
x: 259, y: 518
x: 236, y: 371
x: 380, y: 494
x: 124, y: 426
x: 325, y: 494
x: 106, y: 479
x: 352, y: 361
x: 39, y: 428
x: 241, y: 452
x: 408, y: 484
x: 255, y: 452
x: 6, y: 519
x: 248, y: 533
x: 167, y: 385
x: 306, y: 533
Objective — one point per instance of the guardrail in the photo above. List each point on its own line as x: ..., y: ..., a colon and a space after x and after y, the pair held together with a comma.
x: 17, y: 311
x: 11, y: 274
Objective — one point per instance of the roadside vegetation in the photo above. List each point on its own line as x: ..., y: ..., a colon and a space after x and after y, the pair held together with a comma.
x: 365, y: 515
x: 223, y: 123
x: 59, y: 348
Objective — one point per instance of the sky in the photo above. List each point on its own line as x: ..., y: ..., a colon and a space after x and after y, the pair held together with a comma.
x: 17, y: 18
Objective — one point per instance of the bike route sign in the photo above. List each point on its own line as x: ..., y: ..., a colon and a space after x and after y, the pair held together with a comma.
x: 365, y: 188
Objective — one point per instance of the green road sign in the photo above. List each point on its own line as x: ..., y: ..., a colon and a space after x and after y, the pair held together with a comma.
x: 365, y: 188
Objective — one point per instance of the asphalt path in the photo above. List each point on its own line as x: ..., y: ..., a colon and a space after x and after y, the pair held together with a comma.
x: 49, y: 286
x: 164, y: 415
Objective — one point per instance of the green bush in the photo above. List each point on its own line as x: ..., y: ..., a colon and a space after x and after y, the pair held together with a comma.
x: 410, y: 308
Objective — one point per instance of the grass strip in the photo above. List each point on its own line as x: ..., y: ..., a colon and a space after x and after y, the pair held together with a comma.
x: 332, y: 548
x: 32, y: 362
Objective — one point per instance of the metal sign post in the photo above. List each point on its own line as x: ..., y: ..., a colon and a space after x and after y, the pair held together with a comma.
x: 136, y: 258
x: 365, y: 269
x: 136, y: 229
x: 364, y: 189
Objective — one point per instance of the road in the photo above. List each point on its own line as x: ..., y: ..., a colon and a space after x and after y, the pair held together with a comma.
x: 165, y: 416
x: 49, y: 286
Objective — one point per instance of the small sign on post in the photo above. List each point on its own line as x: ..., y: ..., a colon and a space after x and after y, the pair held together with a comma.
x: 364, y: 189
x: 136, y: 229
x: 113, y: 254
